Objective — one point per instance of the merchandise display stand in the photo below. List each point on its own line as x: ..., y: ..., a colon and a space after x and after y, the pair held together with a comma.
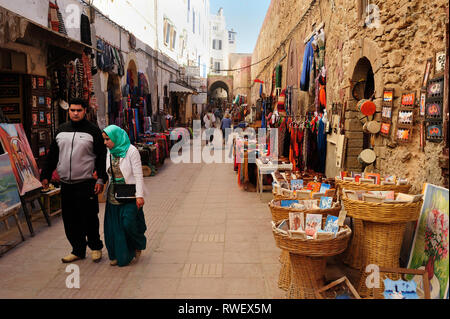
x: 281, y: 213
x: 353, y: 256
x: 26, y: 200
x: 384, y: 226
x: 308, y: 260
x: 267, y: 169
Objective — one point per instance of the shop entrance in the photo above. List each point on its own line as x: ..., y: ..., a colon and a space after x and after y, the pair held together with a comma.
x: 363, y: 88
x: 114, y: 96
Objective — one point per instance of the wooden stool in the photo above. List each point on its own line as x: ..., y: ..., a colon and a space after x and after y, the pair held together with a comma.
x: 47, y: 201
x: 13, y: 211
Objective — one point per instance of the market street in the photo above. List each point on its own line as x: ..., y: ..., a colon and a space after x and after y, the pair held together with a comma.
x: 206, y: 239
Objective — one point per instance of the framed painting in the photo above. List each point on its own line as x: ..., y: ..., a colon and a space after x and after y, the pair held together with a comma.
x: 15, y: 143
x: 433, y: 109
x: 422, y: 102
x: 9, y: 79
x: 385, y: 128
x: 435, y: 87
x: 10, y: 108
x: 430, y: 245
x: 434, y: 131
x: 9, y: 194
x: 9, y: 92
x: 408, y: 99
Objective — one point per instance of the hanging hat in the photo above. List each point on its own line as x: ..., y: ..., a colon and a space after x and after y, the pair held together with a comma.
x: 366, y: 107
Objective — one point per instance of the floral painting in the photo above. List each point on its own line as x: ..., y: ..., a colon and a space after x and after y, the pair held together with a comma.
x: 430, y: 245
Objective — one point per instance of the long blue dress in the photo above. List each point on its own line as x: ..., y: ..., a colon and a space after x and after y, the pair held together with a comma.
x: 124, y: 226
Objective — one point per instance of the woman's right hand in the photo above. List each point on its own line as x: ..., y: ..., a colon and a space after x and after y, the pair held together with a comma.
x: 140, y: 202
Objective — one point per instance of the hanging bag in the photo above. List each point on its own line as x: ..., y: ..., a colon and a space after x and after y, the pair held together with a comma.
x: 123, y: 193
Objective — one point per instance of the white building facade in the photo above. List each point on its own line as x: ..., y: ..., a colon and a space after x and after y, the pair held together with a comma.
x: 223, y: 43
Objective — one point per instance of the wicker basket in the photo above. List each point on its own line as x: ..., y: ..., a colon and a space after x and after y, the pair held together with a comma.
x: 308, y: 260
x: 279, y: 213
x: 353, y: 256
x: 384, y: 228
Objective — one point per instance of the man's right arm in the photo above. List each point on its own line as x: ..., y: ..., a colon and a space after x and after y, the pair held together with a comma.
x: 52, y: 160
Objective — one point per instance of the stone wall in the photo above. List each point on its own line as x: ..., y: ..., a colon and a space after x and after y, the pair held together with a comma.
x: 408, y: 34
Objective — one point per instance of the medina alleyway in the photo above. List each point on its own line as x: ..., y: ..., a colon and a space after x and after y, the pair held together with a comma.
x: 207, y: 238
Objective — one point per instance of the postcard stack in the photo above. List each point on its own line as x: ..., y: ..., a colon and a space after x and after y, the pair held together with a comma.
x: 388, y: 197
x: 371, y: 178
x: 309, y: 226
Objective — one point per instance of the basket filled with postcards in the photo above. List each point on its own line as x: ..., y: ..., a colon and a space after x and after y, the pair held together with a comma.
x: 282, y: 209
x: 308, y: 245
x: 384, y: 216
x: 365, y: 182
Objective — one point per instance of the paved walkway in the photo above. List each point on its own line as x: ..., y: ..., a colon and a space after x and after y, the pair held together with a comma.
x: 206, y: 239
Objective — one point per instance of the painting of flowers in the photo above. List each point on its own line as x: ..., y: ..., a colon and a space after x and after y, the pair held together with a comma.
x: 430, y: 245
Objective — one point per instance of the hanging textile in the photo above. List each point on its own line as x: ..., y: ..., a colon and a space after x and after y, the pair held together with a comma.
x: 278, y: 76
x: 85, y: 30
x: 308, y: 63
x: 321, y: 147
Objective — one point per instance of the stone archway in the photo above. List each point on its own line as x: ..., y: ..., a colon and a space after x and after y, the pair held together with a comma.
x: 365, y: 66
x: 221, y: 82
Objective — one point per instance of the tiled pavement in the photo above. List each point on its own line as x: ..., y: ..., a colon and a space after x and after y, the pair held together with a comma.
x: 206, y: 239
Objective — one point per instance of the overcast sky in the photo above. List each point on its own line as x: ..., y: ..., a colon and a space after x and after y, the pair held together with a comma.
x: 245, y: 17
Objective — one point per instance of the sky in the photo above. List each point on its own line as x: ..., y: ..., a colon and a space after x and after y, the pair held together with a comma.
x: 245, y: 17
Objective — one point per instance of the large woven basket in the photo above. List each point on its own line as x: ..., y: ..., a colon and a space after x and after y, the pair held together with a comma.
x: 382, y: 212
x: 384, y: 228
x: 312, y: 247
x: 308, y: 260
x: 353, y: 256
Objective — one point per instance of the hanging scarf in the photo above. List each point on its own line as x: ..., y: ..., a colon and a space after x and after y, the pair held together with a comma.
x: 120, y: 139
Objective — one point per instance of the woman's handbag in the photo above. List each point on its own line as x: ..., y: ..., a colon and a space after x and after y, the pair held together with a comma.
x: 123, y: 193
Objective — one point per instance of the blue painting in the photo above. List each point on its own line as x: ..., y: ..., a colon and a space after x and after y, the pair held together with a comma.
x: 9, y: 194
x: 400, y: 289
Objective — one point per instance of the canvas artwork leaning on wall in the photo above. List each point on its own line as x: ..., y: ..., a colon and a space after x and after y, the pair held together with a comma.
x: 430, y: 245
x: 15, y: 143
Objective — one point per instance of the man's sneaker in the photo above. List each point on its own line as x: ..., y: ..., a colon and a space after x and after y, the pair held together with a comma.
x: 96, y: 255
x: 113, y: 262
x: 70, y: 258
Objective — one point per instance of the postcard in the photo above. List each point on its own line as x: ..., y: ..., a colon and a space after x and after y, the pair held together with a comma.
x: 313, y: 224
x: 296, y: 221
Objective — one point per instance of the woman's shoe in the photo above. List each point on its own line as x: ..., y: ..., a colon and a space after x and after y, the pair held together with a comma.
x: 138, y: 254
x: 113, y: 262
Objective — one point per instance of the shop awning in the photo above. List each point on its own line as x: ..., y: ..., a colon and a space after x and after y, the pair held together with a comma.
x: 178, y: 88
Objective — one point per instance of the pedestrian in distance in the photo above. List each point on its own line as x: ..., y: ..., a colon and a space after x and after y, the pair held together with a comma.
x: 224, y: 125
x: 124, y: 224
x: 210, y: 121
x: 77, y: 152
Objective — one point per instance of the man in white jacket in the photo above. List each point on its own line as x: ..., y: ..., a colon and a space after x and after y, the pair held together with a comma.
x: 210, y: 121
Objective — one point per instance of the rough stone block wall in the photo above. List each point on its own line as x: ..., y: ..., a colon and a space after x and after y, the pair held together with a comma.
x: 409, y: 33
